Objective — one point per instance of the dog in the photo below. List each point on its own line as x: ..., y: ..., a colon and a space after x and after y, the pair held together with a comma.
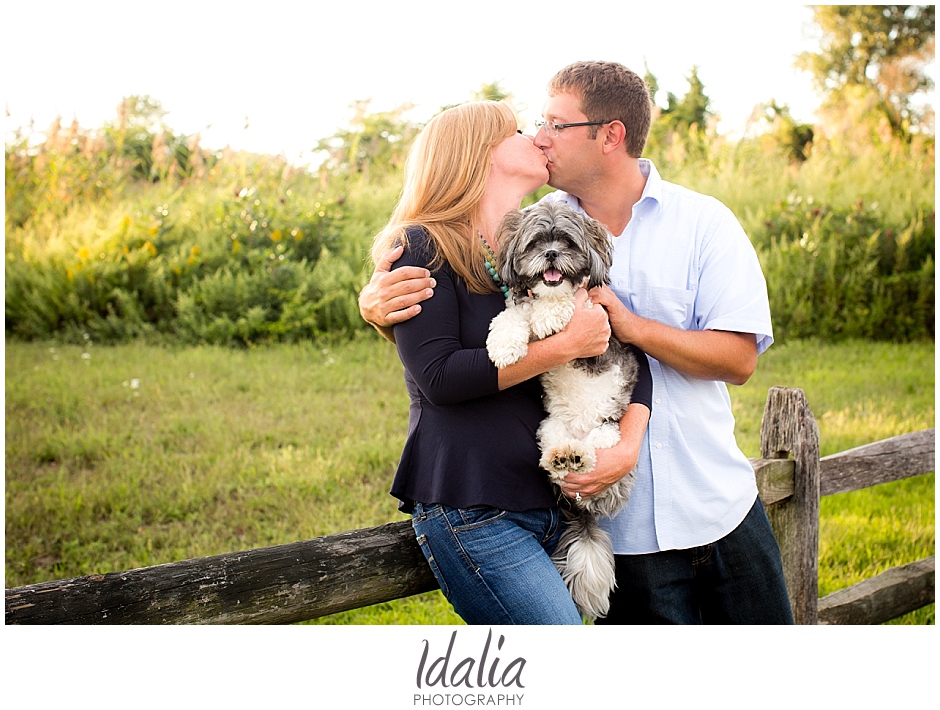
x: 548, y: 252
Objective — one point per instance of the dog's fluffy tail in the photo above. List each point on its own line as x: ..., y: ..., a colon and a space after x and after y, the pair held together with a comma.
x: 585, y: 559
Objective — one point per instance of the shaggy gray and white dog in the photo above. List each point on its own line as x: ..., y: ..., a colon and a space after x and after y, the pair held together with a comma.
x: 547, y: 252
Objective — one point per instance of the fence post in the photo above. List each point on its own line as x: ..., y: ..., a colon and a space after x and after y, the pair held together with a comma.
x: 788, y: 428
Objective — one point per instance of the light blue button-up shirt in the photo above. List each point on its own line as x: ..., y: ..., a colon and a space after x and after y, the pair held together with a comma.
x: 685, y: 261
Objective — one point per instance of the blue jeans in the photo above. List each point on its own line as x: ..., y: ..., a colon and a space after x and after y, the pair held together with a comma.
x: 494, y: 565
x: 735, y: 580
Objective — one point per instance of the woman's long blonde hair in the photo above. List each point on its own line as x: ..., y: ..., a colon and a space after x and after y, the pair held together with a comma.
x: 445, y: 176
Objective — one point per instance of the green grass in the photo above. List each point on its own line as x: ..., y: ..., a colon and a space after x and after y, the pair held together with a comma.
x: 859, y: 391
x: 215, y: 451
x: 219, y: 450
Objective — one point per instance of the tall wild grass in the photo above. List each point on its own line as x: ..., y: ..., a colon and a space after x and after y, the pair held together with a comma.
x: 119, y: 238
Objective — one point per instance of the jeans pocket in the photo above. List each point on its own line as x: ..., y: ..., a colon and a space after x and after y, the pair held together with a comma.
x: 432, y: 563
x: 474, y: 517
x: 556, y: 526
x: 419, y: 512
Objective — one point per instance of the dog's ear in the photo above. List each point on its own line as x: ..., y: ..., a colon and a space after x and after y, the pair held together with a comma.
x: 508, y: 234
x: 602, y: 252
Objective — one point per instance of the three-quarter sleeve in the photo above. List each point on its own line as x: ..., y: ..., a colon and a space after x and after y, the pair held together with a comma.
x: 643, y: 390
x: 445, y: 357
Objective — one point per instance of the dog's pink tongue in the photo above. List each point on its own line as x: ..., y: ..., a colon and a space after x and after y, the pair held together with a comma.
x: 552, y: 275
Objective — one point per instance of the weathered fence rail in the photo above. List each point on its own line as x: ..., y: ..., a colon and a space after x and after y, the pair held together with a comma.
x: 314, y: 578
x: 270, y: 585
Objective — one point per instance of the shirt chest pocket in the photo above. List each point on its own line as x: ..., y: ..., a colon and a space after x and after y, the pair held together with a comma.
x: 671, y: 306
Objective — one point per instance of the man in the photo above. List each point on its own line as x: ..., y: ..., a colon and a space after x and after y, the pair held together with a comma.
x: 694, y: 545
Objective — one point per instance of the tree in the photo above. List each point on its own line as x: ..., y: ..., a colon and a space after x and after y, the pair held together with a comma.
x: 683, y: 121
x: 487, y: 92
x: 373, y: 143
x: 142, y: 142
x: 491, y: 92
x: 793, y: 138
x: 875, y: 54
x: 691, y: 110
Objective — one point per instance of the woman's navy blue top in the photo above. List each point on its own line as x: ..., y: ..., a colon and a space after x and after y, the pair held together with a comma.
x: 468, y: 442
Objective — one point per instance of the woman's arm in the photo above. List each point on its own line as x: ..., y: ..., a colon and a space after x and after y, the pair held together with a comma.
x: 429, y: 345
x: 447, y: 372
x: 585, y: 335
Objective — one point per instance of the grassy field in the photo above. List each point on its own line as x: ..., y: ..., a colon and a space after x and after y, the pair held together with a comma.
x: 128, y: 456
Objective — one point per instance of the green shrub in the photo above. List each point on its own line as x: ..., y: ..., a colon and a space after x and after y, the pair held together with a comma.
x: 230, y: 259
x: 133, y: 232
x: 840, y: 273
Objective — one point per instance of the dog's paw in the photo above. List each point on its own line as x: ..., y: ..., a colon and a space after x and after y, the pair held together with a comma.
x: 573, y: 457
x: 504, y: 354
x: 508, y: 339
x: 604, y: 436
x: 552, y: 317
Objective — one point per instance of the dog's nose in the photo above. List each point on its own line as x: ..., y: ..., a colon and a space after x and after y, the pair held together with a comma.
x: 551, y: 254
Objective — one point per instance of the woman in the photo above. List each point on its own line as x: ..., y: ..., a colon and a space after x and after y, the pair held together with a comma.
x: 483, y: 512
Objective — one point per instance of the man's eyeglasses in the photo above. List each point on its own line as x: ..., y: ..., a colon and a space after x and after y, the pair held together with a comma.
x: 552, y: 128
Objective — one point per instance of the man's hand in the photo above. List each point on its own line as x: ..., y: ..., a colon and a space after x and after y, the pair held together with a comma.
x: 622, y: 321
x: 392, y: 297
x: 606, y: 472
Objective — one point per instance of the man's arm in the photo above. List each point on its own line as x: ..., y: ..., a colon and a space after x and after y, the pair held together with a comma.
x: 704, y: 354
x: 391, y: 297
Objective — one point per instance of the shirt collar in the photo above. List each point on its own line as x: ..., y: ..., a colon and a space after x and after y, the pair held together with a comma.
x: 654, y: 183
x: 652, y: 191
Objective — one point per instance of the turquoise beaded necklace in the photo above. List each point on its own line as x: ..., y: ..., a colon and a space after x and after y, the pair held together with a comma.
x: 489, y: 257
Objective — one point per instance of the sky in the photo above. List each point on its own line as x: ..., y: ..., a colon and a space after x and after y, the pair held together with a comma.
x: 276, y: 77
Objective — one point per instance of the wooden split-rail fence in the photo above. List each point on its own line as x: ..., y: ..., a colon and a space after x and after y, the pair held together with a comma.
x: 313, y: 578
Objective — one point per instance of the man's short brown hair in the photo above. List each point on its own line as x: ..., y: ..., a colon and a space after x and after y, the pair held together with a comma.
x: 609, y: 91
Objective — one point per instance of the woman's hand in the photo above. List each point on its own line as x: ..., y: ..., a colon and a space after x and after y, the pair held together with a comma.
x: 613, y: 463
x: 587, y: 334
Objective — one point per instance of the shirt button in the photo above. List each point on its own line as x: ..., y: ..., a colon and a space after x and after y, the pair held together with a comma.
x: 659, y: 446
x: 658, y: 400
